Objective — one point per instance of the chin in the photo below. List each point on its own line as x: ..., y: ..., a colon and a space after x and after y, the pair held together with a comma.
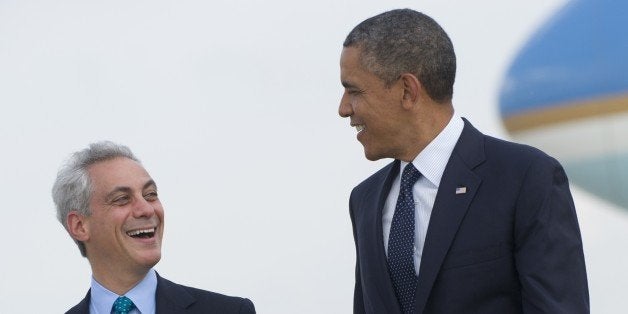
x: 149, y: 260
x: 150, y: 263
x: 372, y: 156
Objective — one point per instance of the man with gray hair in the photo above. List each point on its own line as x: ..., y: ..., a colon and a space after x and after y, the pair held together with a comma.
x: 109, y: 205
x: 459, y: 222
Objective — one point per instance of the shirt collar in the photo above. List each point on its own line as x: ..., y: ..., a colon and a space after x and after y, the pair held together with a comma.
x: 432, y: 160
x: 142, y: 295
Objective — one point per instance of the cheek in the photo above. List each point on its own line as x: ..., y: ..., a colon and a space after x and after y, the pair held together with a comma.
x: 159, y: 210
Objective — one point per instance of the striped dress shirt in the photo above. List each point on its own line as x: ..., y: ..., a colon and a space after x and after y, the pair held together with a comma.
x: 431, y: 162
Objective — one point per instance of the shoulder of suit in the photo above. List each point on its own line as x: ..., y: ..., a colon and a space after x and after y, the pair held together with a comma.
x: 495, y: 148
x: 75, y: 310
x: 225, y: 303
x: 211, y: 300
x: 517, y: 152
x: 200, y: 293
x: 514, y: 160
x: 82, y: 307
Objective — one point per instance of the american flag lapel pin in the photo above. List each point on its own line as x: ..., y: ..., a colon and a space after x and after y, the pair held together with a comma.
x: 461, y: 190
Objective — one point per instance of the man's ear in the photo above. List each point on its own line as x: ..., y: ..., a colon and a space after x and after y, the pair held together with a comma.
x: 412, y: 89
x: 78, y: 226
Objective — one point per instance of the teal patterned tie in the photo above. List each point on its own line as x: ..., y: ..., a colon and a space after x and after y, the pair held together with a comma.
x: 123, y: 305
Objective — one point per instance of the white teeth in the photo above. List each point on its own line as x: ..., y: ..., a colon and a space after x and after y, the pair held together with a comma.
x: 359, y: 128
x: 137, y: 232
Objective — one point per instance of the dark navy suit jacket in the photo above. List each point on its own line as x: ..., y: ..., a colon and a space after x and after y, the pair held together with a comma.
x: 173, y: 298
x: 510, y: 244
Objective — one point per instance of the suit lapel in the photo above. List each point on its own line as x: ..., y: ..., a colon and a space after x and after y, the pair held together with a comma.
x: 171, y: 298
x: 374, y: 203
x: 456, y: 191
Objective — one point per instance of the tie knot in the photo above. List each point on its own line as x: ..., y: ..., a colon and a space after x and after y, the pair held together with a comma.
x: 409, y: 176
x: 123, y: 305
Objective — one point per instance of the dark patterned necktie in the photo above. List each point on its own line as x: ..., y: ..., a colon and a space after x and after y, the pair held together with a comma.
x: 123, y: 305
x: 401, y: 242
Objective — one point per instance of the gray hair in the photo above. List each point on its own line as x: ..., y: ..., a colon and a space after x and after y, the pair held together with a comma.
x: 406, y: 41
x: 73, y: 187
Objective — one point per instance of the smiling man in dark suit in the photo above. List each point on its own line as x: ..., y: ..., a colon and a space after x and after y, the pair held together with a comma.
x: 109, y: 205
x: 459, y: 222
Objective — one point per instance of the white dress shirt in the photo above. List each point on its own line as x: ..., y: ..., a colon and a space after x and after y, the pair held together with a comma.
x: 431, y: 162
x: 142, y: 295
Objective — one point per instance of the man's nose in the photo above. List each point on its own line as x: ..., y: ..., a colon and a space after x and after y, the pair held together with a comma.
x: 143, y: 208
x: 345, y: 109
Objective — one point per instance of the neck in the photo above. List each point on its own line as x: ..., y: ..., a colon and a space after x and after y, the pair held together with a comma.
x: 118, y: 281
x: 426, y: 127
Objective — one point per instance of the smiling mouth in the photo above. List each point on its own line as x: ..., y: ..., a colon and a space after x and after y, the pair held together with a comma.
x: 142, y: 233
x: 359, y: 127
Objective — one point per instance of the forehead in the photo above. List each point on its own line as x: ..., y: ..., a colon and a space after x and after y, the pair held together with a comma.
x: 350, y: 59
x: 353, y: 73
x: 117, y: 172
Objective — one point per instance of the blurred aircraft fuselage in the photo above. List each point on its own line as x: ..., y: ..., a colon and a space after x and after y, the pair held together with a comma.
x: 567, y: 93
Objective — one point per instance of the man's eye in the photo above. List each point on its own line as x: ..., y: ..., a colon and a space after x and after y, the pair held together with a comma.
x: 121, y: 200
x: 354, y: 92
x: 151, y: 196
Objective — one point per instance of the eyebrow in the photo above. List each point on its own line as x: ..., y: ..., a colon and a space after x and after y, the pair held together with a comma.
x: 347, y: 84
x: 149, y: 183
x: 126, y: 189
